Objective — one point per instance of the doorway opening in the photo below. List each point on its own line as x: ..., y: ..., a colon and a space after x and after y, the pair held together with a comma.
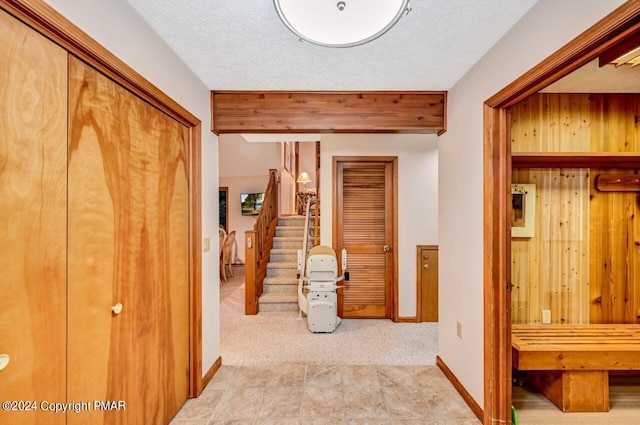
x: 612, y: 30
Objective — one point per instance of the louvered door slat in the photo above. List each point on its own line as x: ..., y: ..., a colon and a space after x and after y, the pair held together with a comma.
x: 364, y: 229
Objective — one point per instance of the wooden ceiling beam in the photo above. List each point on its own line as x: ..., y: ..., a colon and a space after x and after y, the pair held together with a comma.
x: 328, y: 112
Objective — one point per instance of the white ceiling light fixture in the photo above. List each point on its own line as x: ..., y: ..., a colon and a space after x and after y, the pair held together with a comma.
x: 347, y: 23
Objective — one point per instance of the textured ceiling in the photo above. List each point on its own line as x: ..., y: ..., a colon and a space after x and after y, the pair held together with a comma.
x: 242, y: 45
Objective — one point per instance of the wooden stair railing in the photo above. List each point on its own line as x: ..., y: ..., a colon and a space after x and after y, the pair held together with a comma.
x: 258, y: 245
x: 316, y: 218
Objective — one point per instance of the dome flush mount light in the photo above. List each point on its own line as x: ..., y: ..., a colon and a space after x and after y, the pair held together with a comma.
x: 345, y: 23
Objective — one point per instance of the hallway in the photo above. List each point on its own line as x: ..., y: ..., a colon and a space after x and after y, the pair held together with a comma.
x: 368, y: 372
x: 269, y: 338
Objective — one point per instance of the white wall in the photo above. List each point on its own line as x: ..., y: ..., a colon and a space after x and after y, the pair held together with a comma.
x: 307, y: 155
x: 417, y: 195
x: 239, y: 158
x: 237, y: 221
x: 545, y: 28
x: 244, y: 168
x: 115, y: 25
x: 287, y: 189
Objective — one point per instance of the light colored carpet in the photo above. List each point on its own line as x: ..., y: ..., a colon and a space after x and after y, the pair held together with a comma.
x: 269, y: 338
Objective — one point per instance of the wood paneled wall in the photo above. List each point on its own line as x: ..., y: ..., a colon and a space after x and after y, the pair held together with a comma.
x: 551, y: 270
x: 584, y: 261
x: 614, y: 256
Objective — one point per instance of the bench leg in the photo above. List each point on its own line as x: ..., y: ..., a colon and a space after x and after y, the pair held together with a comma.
x: 574, y: 390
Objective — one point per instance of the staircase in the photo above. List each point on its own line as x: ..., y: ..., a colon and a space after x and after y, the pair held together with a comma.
x: 280, y: 287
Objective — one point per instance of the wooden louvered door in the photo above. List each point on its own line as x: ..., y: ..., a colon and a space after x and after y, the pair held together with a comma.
x: 365, y: 225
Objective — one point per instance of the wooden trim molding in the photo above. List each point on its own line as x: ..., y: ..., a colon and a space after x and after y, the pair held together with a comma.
x: 613, y: 28
x: 195, y: 259
x: 473, y: 405
x: 497, y: 246
x: 50, y: 23
x: 599, y: 160
x: 210, y: 373
x: 407, y: 319
x: 330, y: 112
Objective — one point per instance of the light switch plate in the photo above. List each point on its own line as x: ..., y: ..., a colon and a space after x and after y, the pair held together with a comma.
x: 206, y: 245
x: 546, y: 317
x: 459, y: 329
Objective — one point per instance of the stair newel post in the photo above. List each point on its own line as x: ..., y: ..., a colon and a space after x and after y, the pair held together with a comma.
x: 251, y: 296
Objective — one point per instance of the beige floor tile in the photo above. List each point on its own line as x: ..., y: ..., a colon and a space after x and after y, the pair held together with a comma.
x: 405, y: 403
x: 223, y: 377
x: 363, y: 402
x: 428, y: 376
x: 362, y: 376
x: 287, y: 375
x: 323, y: 376
x: 436, y: 422
x: 200, y: 408
x: 394, y: 376
x: 230, y: 422
x: 281, y: 402
x: 446, y: 403
x: 322, y: 402
x: 251, y: 376
x: 277, y: 421
x: 352, y: 421
x: 239, y: 403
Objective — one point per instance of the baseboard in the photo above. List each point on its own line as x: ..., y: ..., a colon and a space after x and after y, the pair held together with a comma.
x: 475, y: 407
x: 211, y: 372
x: 407, y: 319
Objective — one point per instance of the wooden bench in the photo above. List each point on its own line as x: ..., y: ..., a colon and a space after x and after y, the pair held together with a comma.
x: 570, y: 364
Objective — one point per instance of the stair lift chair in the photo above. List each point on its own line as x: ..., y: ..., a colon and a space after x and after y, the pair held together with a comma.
x: 321, y: 301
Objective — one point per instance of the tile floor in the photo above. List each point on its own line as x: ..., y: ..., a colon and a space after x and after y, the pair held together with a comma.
x: 310, y: 394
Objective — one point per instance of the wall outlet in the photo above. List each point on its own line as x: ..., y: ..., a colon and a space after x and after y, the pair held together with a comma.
x: 459, y: 329
x: 546, y: 317
x: 206, y: 245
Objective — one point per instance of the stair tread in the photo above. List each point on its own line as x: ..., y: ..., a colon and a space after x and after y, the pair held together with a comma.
x: 279, y: 297
x: 280, y: 280
x: 283, y: 265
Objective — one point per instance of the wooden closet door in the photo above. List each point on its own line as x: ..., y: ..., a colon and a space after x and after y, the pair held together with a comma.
x: 33, y: 185
x: 128, y: 245
x: 364, y: 205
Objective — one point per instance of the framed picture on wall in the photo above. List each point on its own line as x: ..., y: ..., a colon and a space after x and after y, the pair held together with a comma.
x: 287, y: 157
x: 293, y: 170
x: 523, y: 210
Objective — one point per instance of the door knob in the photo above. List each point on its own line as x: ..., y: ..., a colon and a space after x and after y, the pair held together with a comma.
x: 387, y: 248
x: 4, y: 361
x: 426, y: 267
x: 117, y: 309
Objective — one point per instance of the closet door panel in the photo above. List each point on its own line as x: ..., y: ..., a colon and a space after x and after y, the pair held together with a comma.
x: 128, y: 245
x: 33, y: 134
